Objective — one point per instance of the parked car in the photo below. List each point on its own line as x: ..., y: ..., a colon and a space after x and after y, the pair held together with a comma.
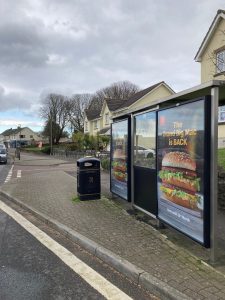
x: 144, y: 151
x: 2, y: 146
x: 3, y: 155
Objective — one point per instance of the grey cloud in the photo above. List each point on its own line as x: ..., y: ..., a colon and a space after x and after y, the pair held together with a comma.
x: 13, y: 100
x: 21, y: 45
x: 85, y: 45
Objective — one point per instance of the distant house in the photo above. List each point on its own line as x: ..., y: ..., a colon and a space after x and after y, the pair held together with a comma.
x: 211, y: 56
x: 20, y: 135
x: 98, y: 122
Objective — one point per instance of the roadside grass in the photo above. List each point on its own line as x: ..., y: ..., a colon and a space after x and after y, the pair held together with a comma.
x: 75, y: 199
x: 221, y: 158
x: 37, y: 150
x: 34, y: 149
x: 221, y: 154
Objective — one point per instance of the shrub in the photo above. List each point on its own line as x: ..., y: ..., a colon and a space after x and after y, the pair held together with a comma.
x: 46, y: 150
x: 105, y: 163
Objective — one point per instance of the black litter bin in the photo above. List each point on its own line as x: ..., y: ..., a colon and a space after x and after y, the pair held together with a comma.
x: 88, y: 178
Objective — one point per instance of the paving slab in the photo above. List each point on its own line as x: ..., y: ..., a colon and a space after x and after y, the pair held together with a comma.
x: 122, y: 238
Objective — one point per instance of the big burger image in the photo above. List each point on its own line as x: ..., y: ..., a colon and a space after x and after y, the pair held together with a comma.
x: 179, y: 179
x: 119, y: 166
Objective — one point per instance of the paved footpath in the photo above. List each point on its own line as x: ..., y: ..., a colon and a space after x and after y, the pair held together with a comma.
x: 107, y: 230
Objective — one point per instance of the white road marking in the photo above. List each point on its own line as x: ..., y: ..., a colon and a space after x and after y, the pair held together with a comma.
x: 18, y: 174
x: 97, y: 281
x: 9, y: 176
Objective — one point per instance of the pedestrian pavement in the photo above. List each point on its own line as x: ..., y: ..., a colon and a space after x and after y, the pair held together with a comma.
x: 126, y: 241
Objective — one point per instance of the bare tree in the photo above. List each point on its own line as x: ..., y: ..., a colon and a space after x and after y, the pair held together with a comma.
x: 55, y: 110
x: 78, y: 103
x: 117, y: 90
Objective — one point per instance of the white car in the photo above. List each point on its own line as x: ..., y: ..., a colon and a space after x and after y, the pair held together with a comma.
x: 144, y: 151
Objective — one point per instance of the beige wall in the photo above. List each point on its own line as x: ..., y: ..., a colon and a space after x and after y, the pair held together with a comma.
x: 208, y: 68
x: 99, y: 126
x: 221, y: 136
x: 221, y: 131
x: 28, y: 135
x: 159, y: 93
x: 87, y: 130
x: 106, y: 111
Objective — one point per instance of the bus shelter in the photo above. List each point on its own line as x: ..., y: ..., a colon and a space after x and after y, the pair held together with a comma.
x: 164, y: 160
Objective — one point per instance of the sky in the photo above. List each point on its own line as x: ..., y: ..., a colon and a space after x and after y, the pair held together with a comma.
x: 80, y: 46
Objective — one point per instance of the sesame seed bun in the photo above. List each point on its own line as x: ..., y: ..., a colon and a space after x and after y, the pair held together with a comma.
x: 179, y: 159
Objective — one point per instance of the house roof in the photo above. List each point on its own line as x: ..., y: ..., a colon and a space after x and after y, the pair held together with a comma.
x: 220, y: 14
x: 140, y: 94
x: 105, y: 130
x: 114, y: 104
x: 117, y: 104
x: 92, y: 114
x: 11, y: 131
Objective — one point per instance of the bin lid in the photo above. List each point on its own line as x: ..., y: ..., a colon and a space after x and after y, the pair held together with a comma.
x: 88, y: 162
x: 88, y: 159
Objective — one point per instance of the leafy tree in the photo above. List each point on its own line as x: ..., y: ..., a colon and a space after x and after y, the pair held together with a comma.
x: 105, y: 140
x: 78, y: 139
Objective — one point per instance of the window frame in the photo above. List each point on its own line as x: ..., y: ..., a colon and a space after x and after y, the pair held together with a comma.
x: 221, y: 111
x: 86, y: 125
x: 218, y: 52
x: 96, y: 124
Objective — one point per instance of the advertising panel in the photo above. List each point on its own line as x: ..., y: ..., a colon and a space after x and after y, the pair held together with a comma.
x: 181, y: 168
x: 119, y: 159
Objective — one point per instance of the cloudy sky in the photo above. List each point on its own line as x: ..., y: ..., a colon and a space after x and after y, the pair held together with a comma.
x: 80, y: 46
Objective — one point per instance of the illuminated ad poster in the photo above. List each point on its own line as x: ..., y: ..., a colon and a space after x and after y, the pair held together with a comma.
x: 181, y: 176
x: 119, y: 156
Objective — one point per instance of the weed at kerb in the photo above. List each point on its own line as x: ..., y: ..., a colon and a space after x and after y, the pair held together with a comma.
x: 75, y: 199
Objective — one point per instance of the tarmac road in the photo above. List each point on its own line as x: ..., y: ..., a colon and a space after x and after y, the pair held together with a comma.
x: 29, y: 270
x: 43, y: 186
x: 4, y: 170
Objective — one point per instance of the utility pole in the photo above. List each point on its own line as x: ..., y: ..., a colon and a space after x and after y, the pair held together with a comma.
x: 19, y: 126
x: 51, y: 133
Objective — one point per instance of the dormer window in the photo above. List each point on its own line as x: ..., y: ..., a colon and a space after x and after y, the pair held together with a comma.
x: 220, y: 61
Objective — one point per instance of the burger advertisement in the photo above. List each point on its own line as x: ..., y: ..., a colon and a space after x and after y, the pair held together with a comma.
x: 119, y: 154
x: 181, y: 165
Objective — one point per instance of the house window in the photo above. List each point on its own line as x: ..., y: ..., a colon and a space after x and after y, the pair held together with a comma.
x: 22, y: 136
x: 31, y: 136
x: 107, y: 119
x: 86, y: 126
x: 96, y: 125
x: 221, y: 114
x: 220, y: 61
